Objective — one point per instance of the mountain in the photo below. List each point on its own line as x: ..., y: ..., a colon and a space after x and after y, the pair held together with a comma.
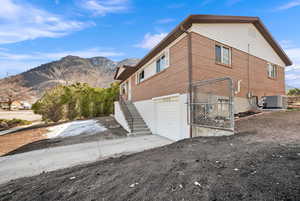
x: 96, y: 71
x: 288, y: 87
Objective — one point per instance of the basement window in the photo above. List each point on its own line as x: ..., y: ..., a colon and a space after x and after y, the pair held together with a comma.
x: 223, y: 55
x: 272, y: 71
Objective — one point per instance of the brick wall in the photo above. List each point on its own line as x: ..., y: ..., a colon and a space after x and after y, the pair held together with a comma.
x: 175, y: 78
x: 205, y: 67
x: 172, y: 80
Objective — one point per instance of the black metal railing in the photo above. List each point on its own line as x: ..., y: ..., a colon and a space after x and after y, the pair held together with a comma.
x: 127, y: 113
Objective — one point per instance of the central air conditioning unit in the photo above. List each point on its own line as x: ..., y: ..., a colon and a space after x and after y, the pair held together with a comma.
x: 275, y: 102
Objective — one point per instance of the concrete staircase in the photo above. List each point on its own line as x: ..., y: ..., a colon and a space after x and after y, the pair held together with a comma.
x: 134, y: 119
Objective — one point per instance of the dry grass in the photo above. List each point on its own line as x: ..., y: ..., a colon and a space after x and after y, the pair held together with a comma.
x: 16, y: 140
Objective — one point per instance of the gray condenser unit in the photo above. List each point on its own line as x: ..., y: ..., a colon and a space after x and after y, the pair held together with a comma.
x: 275, y: 102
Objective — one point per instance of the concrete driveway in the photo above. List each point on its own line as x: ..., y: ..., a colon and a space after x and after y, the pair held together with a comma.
x: 35, y: 162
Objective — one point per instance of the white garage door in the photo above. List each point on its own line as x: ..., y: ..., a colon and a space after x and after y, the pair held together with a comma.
x: 168, y: 117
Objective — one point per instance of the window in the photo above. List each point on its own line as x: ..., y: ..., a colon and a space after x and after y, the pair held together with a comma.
x: 123, y: 88
x: 223, y: 55
x: 272, y: 71
x: 218, y: 54
x: 226, y: 56
x: 161, y: 64
x: 141, y: 76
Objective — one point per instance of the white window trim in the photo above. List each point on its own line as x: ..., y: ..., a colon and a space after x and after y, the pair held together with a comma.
x: 163, y: 54
x: 269, y: 71
x: 222, y: 54
x: 138, y: 81
x: 154, y: 60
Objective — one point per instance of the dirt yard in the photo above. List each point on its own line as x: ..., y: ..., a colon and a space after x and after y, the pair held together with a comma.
x: 260, y: 163
x: 34, y: 138
x: 11, y: 142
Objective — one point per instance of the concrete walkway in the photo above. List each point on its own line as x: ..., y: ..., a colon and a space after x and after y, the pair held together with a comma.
x: 35, y: 162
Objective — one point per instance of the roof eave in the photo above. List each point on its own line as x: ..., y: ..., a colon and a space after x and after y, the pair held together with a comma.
x: 272, y: 41
x: 187, y: 23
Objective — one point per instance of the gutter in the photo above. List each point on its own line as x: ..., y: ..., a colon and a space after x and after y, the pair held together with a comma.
x: 189, y: 66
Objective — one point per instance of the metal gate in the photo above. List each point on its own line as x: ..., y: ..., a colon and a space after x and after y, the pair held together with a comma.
x: 212, y: 104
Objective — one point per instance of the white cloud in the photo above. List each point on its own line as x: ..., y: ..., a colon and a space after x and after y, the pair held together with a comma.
x: 289, y: 5
x: 103, y: 7
x: 293, y: 72
x: 9, y: 67
x: 21, y: 21
x: 286, y: 44
x: 294, y: 54
x: 151, y: 40
x: 165, y: 21
x: 292, y: 76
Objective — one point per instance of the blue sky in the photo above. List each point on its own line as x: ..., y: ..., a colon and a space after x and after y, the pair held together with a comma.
x: 38, y: 31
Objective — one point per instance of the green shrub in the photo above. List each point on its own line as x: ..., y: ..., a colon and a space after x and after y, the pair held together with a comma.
x: 6, y: 123
x: 51, y: 106
x: 294, y: 92
x: 76, y: 101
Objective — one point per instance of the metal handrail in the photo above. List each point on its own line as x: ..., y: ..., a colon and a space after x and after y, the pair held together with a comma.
x: 127, y: 111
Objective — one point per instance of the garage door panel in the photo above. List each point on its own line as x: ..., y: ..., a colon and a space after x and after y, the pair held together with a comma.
x: 168, y: 118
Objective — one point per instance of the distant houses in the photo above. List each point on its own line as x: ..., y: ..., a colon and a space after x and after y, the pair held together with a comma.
x: 16, y: 105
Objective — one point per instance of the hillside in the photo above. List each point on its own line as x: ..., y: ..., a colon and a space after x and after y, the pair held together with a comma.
x: 96, y: 71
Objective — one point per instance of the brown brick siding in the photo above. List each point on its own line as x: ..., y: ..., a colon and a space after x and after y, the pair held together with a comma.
x: 172, y: 80
x: 175, y: 78
x: 205, y: 67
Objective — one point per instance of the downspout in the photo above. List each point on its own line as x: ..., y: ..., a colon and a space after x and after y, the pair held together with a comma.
x: 250, y: 94
x: 248, y: 68
x: 189, y: 66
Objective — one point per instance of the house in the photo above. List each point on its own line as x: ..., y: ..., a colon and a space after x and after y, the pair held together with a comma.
x: 25, y: 105
x: 157, y: 94
x: 16, y: 105
x: 4, y: 105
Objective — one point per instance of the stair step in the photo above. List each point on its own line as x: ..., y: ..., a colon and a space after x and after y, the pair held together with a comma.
x: 134, y: 112
x: 135, y: 120
x: 139, y: 126
x: 141, y: 129
x: 138, y: 118
x: 138, y: 122
x: 140, y: 133
x: 134, y: 116
x: 131, y: 107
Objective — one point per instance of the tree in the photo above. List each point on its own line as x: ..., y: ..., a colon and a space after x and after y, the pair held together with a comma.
x: 51, y: 106
x: 76, y: 101
x: 13, y: 90
x: 294, y: 92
